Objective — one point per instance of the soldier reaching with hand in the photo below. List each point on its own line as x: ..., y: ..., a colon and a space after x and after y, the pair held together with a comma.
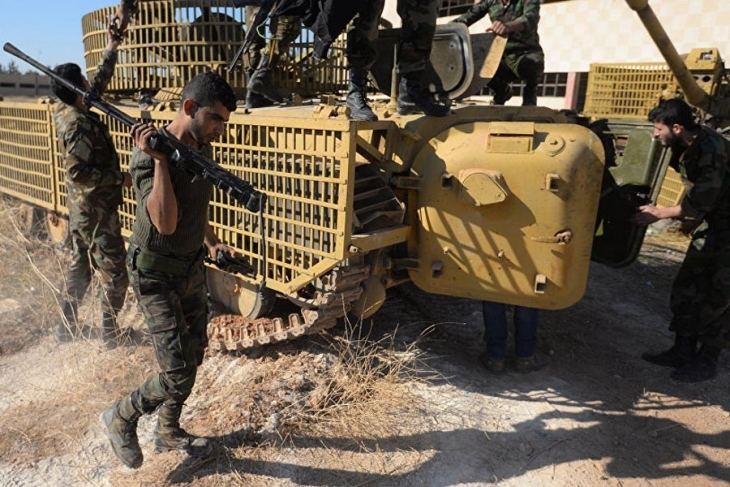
x: 700, y: 297
x: 95, y: 184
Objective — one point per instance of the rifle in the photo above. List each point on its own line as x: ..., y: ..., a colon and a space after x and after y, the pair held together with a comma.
x: 258, y: 20
x: 197, y: 165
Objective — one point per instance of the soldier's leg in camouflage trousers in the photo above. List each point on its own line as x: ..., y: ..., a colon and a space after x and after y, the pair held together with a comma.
x: 682, y: 300
x: 707, y: 298
x: 361, y: 55
x: 175, y: 310
x: 108, y: 256
x: 283, y: 31
x: 252, y: 59
x: 414, y: 49
x: 168, y: 434
x: 530, y: 69
x: 499, y: 84
x: 78, y: 279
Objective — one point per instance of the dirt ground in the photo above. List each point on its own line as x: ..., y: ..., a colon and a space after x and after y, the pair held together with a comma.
x: 410, y: 405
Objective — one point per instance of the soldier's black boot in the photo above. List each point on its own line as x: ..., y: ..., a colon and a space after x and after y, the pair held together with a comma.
x: 357, y: 100
x: 120, y: 426
x: 502, y: 91
x: 703, y: 367
x: 68, y: 327
x: 169, y: 435
x: 682, y: 352
x: 261, y: 83
x: 414, y: 97
x: 529, y: 95
x: 254, y: 100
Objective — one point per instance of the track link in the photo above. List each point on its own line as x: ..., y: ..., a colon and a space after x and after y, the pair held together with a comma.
x: 336, y: 292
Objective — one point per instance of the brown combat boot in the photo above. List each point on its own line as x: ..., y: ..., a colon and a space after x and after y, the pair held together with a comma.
x: 169, y: 435
x: 120, y: 426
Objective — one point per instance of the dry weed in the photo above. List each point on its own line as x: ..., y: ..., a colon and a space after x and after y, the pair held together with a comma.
x: 367, y: 391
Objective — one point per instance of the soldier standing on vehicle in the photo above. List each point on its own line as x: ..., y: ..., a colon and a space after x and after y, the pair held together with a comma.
x: 263, y: 56
x: 94, y: 181
x: 414, y: 50
x: 165, y: 259
x: 700, y: 297
x: 523, y: 57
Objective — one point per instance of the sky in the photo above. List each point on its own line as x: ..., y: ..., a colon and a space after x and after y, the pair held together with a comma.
x: 47, y: 30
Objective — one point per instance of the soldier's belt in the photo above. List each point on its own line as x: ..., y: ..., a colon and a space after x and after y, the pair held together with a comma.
x: 159, y: 263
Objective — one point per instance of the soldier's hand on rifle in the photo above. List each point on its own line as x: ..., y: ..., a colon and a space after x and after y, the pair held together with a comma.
x: 141, y: 133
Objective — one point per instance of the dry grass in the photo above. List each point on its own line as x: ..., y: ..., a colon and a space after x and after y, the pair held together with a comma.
x: 30, y: 277
x: 64, y: 391
x: 353, y: 387
x: 368, y: 384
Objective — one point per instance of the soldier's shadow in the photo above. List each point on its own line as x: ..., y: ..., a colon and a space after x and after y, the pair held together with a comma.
x: 476, y: 456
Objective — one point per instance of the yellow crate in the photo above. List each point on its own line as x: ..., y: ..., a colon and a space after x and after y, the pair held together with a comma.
x: 627, y: 90
x: 303, y: 169
x: 672, y: 190
x: 27, y: 152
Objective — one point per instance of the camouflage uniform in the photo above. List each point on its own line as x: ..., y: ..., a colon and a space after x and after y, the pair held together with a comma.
x: 361, y: 35
x: 284, y: 30
x: 523, y: 56
x: 418, y: 18
x: 263, y: 56
x: 94, y: 181
x: 414, y: 48
x: 169, y: 283
x: 700, y: 297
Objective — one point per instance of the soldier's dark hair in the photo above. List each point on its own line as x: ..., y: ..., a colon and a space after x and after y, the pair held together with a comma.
x: 674, y: 111
x: 70, y: 72
x: 207, y: 88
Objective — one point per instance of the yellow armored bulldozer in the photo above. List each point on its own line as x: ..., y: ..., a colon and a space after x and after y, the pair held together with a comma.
x: 506, y: 204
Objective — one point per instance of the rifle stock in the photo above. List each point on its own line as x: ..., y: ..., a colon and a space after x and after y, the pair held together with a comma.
x: 183, y: 156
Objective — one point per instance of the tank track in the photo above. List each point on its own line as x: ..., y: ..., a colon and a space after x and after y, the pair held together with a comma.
x: 336, y: 292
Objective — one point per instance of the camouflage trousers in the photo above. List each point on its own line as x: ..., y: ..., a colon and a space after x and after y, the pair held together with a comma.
x: 360, y: 50
x: 175, y: 311
x: 700, y: 297
x: 528, y: 67
x: 284, y: 30
x: 97, y: 244
x: 418, y: 18
x: 419, y: 26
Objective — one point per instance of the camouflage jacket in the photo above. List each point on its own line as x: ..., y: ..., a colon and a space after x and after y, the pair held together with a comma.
x: 704, y: 167
x: 92, y: 164
x: 525, y: 11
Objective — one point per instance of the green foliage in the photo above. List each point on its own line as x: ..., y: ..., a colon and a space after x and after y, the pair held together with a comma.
x: 11, y: 68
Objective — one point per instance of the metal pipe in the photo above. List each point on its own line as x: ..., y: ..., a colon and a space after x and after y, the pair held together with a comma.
x: 694, y: 94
